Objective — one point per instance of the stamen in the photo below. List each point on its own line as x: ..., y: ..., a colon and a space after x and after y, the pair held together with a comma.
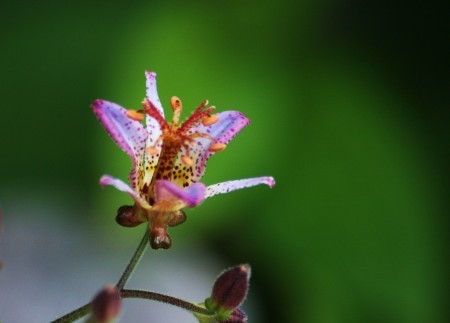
x: 177, y: 107
x: 210, y: 120
x: 217, y: 147
x: 196, y: 116
x: 135, y: 115
x: 187, y: 160
x: 152, y: 111
x: 152, y: 150
x: 202, y: 135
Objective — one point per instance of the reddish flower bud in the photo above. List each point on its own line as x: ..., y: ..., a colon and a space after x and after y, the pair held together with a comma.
x: 159, y: 238
x: 106, y: 304
x: 129, y: 216
x: 238, y: 316
x: 229, y: 291
x: 177, y: 218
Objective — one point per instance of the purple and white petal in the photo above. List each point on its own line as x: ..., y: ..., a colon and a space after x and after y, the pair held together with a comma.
x: 152, y: 93
x: 230, y: 186
x: 230, y: 123
x: 130, y: 135
x: 171, y: 197
x: 153, y: 129
x: 121, y: 186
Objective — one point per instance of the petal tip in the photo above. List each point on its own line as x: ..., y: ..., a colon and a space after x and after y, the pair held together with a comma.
x: 270, y: 181
x: 96, y: 104
x: 197, y: 193
x: 105, y: 180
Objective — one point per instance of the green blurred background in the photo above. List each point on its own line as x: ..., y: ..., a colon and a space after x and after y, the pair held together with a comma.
x: 349, y: 107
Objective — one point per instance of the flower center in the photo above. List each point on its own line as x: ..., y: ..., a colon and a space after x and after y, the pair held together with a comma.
x: 176, y: 136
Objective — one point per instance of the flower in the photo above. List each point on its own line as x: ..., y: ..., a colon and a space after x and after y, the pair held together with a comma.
x: 169, y: 159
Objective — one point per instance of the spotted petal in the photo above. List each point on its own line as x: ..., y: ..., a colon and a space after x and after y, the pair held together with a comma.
x: 153, y: 129
x: 230, y: 186
x: 152, y: 93
x: 229, y: 124
x: 130, y: 135
x: 121, y: 186
x: 171, y: 197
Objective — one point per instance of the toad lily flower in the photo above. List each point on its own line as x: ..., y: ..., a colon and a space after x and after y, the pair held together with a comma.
x: 169, y: 159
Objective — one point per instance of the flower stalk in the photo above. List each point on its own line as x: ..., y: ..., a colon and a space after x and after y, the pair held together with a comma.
x: 133, y: 262
x: 128, y: 293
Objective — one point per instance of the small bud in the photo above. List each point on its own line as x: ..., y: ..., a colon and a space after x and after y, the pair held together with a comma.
x: 127, y: 216
x: 159, y: 238
x: 177, y: 218
x: 238, y: 316
x: 229, y: 291
x: 106, y: 305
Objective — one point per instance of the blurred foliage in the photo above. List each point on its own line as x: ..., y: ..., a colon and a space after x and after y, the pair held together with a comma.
x: 348, y: 114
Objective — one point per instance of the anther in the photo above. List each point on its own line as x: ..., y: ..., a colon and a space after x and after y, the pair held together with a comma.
x: 177, y: 107
x: 217, y: 147
x: 210, y: 120
x: 152, y: 150
x: 175, y: 102
x: 187, y: 160
x: 135, y: 115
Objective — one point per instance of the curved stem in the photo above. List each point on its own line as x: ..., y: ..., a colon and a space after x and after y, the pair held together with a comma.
x: 75, y: 314
x: 85, y: 309
x: 129, y: 293
x: 134, y: 261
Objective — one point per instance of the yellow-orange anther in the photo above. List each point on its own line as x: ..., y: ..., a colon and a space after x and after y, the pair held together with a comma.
x: 135, y: 115
x: 151, y: 150
x: 187, y: 160
x: 207, y: 121
x: 175, y: 102
x: 217, y: 147
x: 177, y: 107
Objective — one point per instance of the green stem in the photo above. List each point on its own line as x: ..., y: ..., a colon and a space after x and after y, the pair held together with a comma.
x: 86, y: 309
x: 133, y: 262
x: 75, y: 314
x: 128, y: 293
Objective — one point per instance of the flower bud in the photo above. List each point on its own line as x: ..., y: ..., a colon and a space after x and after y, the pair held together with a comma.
x: 106, y: 305
x: 128, y: 216
x: 229, y: 291
x: 238, y: 316
x: 177, y: 218
x: 159, y: 238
